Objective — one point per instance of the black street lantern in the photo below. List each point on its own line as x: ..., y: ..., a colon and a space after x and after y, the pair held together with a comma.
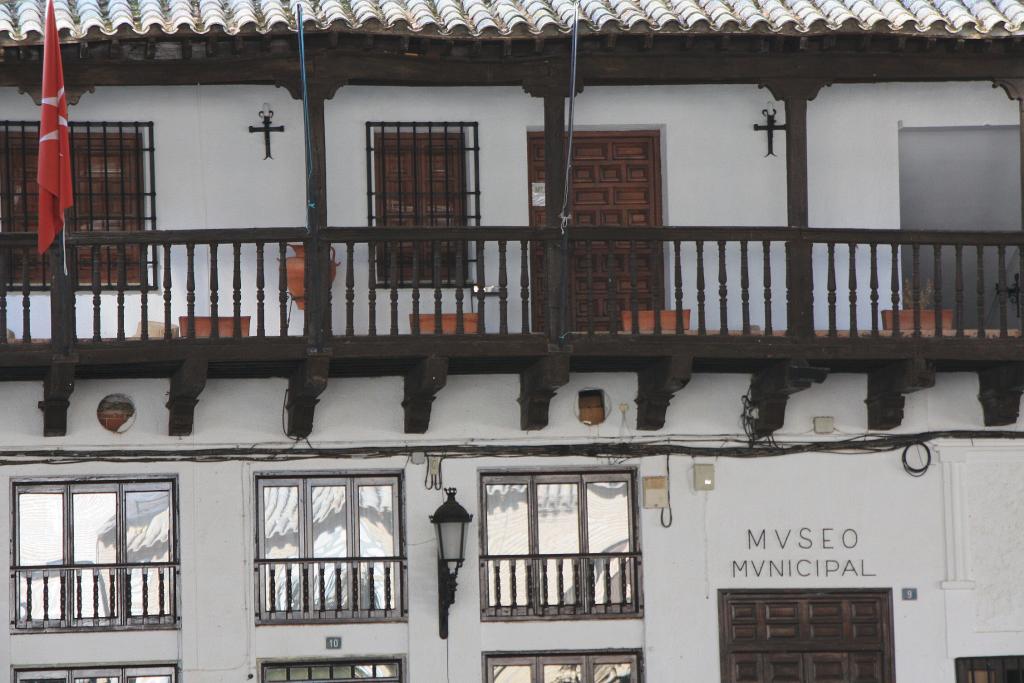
x: 450, y: 521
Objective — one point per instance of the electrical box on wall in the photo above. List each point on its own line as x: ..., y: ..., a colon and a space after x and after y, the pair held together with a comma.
x: 655, y: 492
x: 703, y: 477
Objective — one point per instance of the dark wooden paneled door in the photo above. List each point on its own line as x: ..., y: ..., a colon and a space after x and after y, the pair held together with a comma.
x: 791, y: 636
x: 616, y: 181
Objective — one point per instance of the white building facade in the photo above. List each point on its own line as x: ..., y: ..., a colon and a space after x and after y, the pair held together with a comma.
x: 656, y: 555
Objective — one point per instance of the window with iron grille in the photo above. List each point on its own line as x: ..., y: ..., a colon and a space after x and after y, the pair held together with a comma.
x: 559, y: 545
x: 340, y: 671
x: 423, y: 174
x: 99, y: 674
x: 113, y: 175
x: 606, y: 666
x: 990, y: 669
x: 94, y: 554
x: 330, y: 548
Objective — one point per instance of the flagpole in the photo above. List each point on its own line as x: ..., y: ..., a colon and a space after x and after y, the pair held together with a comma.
x: 310, y: 201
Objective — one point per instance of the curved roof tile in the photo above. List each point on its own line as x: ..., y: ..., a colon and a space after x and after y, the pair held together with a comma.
x: 21, y: 20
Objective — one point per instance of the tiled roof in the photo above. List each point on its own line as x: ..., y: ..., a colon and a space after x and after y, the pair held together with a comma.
x: 21, y: 20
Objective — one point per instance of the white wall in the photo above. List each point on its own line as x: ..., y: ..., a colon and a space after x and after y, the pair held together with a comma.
x: 210, y: 173
x: 900, y: 522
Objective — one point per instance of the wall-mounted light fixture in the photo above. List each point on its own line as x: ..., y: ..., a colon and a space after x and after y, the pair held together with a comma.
x: 266, y: 115
x: 450, y: 522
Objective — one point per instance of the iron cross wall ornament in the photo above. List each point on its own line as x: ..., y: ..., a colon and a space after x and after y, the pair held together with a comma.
x: 770, y: 128
x: 267, y: 115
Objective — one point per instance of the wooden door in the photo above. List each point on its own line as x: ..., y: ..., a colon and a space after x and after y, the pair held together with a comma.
x: 616, y: 181
x: 790, y: 636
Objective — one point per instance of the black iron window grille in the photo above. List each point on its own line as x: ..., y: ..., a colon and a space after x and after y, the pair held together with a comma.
x: 990, y: 669
x: 423, y: 174
x: 329, y: 549
x: 94, y: 555
x: 341, y: 671
x: 606, y: 666
x: 99, y: 674
x: 113, y: 168
x: 559, y: 545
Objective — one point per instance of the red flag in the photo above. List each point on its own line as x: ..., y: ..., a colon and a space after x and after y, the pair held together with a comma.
x: 55, y: 190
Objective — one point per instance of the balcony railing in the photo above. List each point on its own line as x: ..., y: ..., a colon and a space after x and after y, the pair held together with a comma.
x: 186, y: 285
x: 330, y: 590
x: 101, y: 596
x: 557, y: 586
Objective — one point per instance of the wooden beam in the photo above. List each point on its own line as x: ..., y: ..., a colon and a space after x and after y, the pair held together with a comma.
x: 58, y: 384
x: 553, y: 86
x: 796, y: 93
x: 627, y: 64
x: 656, y: 385
x: 999, y: 391
x: 305, y: 385
x: 537, y: 386
x: 422, y: 383
x: 1014, y: 88
x: 187, y: 382
x: 888, y: 386
x: 771, y: 388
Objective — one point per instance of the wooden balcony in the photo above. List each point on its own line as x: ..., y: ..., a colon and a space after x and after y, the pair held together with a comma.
x: 785, y: 304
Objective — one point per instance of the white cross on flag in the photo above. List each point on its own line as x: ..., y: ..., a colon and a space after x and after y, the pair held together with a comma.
x: 54, y: 176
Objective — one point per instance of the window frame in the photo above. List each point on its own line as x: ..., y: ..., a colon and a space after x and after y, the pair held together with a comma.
x: 306, y: 481
x: 141, y: 261
x: 587, y: 658
x: 532, y: 477
x: 120, y: 487
x: 386, y: 136
x: 344, y: 661
x: 553, y: 476
x: 123, y: 671
x: 966, y: 668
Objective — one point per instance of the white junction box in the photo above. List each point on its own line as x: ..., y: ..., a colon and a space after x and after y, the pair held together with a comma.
x: 703, y: 477
x: 655, y: 493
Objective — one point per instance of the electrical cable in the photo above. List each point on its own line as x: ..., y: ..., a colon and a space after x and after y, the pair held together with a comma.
x: 447, y: 661
x: 668, y: 494
x: 922, y: 468
x: 633, y: 449
x: 310, y: 202
x: 564, y: 213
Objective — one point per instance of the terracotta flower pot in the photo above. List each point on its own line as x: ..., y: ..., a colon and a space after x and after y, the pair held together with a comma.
x: 645, y: 318
x: 449, y: 322
x: 296, y: 269
x: 204, y: 326
x: 928, y: 319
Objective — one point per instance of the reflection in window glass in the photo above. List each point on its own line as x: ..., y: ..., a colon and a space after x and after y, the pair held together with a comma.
x: 330, y: 533
x: 334, y: 672
x: 280, y: 522
x: 512, y: 673
x: 619, y: 672
x: 563, y: 673
x: 40, y: 528
x: 148, y: 525
x: 596, y: 667
x: 608, y: 517
x: 558, y: 513
x: 376, y: 522
x: 508, y: 519
x: 161, y: 674
x: 95, y: 527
